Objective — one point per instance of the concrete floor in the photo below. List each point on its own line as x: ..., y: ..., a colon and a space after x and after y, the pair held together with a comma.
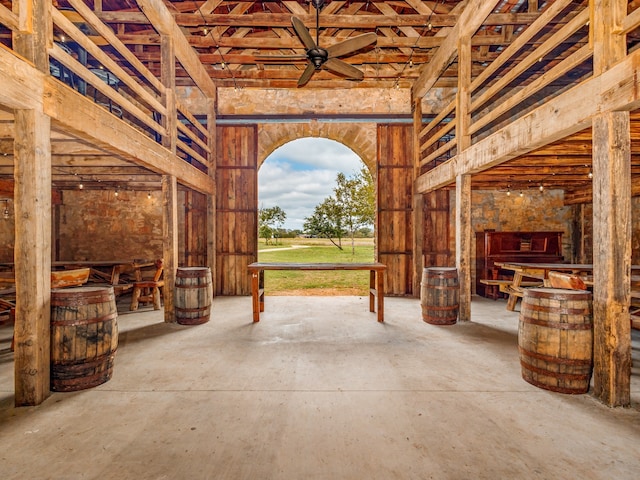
x: 318, y: 389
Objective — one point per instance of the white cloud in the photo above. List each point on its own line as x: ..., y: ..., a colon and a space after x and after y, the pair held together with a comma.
x: 299, y: 175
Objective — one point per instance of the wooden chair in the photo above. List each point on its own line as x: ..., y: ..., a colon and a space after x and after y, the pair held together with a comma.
x: 147, y: 291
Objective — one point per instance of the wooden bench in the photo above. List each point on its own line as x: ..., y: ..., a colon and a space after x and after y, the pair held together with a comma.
x: 376, y: 281
x: 507, y: 287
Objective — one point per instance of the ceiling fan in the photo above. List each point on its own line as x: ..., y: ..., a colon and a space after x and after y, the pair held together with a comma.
x: 319, y: 57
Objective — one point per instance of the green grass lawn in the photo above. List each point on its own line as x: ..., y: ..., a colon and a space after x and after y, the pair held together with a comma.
x: 314, y: 282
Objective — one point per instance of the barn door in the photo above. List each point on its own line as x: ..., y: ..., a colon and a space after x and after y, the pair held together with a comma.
x: 394, y: 229
x: 436, y: 249
x: 195, y: 228
x: 236, y: 211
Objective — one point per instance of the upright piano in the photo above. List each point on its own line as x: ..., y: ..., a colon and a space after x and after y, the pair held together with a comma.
x: 527, y: 247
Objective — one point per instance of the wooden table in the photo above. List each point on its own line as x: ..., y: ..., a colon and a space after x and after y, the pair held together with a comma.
x: 108, y: 270
x: 102, y: 270
x: 376, y: 281
x: 538, y: 271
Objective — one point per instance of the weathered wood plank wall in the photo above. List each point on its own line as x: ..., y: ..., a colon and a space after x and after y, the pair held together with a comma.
x: 237, y: 204
x: 437, y: 236
x: 195, y: 230
x: 394, y: 228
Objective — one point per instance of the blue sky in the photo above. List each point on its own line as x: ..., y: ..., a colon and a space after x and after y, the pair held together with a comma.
x: 299, y: 175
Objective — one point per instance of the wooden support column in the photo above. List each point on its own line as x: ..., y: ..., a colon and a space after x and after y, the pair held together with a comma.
x: 32, y: 256
x: 463, y: 243
x: 169, y: 182
x: 35, y: 32
x: 612, y: 258
x: 168, y: 78
x: 169, y: 242
x: 211, y: 199
x: 609, y: 47
x: 463, y: 182
x: 418, y: 200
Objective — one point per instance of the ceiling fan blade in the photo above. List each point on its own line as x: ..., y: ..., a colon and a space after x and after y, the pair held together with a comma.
x: 303, y: 33
x: 352, y: 44
x: 343, y: 68
x: 306, y: 75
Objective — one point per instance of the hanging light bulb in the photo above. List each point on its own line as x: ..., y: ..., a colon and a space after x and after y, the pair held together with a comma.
x: 148, y: 194
x: 81, y: 186
x: 590, y: 175
x: 116, y: 193
x: 541, y: 188
x: 5, y: 214
x: 521, y: 194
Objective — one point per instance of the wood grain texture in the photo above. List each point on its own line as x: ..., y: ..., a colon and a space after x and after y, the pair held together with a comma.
x: 394, y: 229
x: 236, y: 208
x: 612, y: 258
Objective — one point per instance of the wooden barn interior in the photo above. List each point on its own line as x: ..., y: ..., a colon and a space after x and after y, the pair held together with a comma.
x: 135, y: 129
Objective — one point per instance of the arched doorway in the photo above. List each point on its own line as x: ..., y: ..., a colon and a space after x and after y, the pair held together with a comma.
x: 294, y: 180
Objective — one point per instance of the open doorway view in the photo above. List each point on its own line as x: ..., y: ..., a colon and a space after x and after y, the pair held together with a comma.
x: 316, y: 204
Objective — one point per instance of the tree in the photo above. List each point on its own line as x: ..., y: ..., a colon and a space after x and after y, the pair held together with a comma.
x: 270, y: 220
x: 326, y: 222
x: 356, y: 197
x: 351, y: 208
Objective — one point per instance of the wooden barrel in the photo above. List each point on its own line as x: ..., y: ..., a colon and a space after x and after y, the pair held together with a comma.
x: 194, y: 292
x: 440, y: 295
x: 84, y: 337
x: 555, y: 339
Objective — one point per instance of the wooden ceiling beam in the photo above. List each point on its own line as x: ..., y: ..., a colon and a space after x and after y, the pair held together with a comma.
x: 326, y: 21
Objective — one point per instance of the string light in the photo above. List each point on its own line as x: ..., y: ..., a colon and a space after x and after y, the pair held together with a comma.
x: 149, y: 195
x: 5, y: 214
x: 541, y: 188
x: 116, y: 193
x: 521, y: 194
x: 209, y: 32
x: 409, y: 63
x: 590, y: 175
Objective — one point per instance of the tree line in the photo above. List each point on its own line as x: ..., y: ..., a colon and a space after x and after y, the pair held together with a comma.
x: 345, y: 214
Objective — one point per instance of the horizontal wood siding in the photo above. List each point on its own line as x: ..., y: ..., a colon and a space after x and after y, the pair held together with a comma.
x: 236, y: 213
x: 394, y: 227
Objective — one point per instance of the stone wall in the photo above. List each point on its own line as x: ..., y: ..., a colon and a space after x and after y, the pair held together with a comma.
x: 533, y: 211
x: 97, y: 225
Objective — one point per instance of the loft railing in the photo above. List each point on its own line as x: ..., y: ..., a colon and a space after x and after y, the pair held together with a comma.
x: 86, y: 55
x: 545, y: 59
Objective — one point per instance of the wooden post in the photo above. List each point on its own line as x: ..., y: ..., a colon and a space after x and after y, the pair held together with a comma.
x: 32, y: 256
x: 211, y: 199
x: 169, y: 242
x: 418, y: 201
x: 606, y: 19
x: 169, y: 182
x: 463, y: 244
x: 463, y: 182
x: 612, y: 258
x: 168, y: 78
